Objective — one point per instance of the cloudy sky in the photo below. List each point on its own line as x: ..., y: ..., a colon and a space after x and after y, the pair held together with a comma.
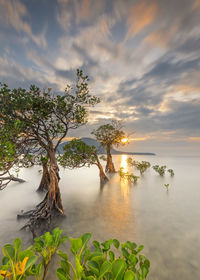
x: 142, y: 57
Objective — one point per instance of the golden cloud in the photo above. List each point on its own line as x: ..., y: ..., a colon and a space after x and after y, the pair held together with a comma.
x: 161, y: 38
x: 141, y: 14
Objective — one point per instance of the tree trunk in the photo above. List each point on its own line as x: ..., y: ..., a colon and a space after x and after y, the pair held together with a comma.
x: 54, y: 197
x: 44, y: 183
x: 109, y: 165
x: 102, y: 175
x: 51, y: 205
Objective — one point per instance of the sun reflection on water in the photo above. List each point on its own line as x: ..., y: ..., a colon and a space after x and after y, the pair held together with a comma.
x: 124, y: 184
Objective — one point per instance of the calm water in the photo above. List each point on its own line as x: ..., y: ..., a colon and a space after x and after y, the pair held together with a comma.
x: 166, y: 222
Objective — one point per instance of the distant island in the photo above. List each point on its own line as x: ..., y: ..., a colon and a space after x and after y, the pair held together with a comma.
x: 100, y: 149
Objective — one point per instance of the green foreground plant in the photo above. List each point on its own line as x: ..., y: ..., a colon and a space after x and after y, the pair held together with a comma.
x: 123, y: 261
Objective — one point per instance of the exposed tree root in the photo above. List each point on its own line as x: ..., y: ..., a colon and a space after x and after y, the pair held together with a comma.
x: 45, y: 211
x: 41, y: 217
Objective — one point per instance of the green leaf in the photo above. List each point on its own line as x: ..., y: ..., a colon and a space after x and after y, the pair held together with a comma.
x: 85, y: 238
x: 5, y: 260
x: 129, y: 275
x: 31, y: 261
x: 112, y: 256
x: 90, y: 278
x: 144, y: 271
x: 76, y: 244
x: 107, y: 244
x: 93, y: 266
x: 48, y: 239
x: 96, y: 256
x: 65, y: 266
x: 61, y: 274
x: 116, y: 243
x: 26, y: 253
x: 105, y: 268
x: 17, y: 243
x: 62, y: 255
x: 96, y: 244
x: 125, y: 253
x: 140, y: 248
x: 38, y: 269
x: 9, y: 251
x: 118, y: 268
x: 147, y: 263
x: 133, y: 259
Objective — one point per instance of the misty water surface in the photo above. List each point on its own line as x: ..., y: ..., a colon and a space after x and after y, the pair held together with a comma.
x: 166, y: 223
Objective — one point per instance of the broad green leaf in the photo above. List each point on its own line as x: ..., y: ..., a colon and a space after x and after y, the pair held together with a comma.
x: 31, y: 261
x: 90, y: 278
x: 147, y: 263
x: 140, y: 248
x: 26, y: 253
x: 9, y: 251
x: 93, y: 266
x: 5, y: 260
x: 38, y: 269
x: 61, y: 274
x: 65, y: 266
x: 112, y: 256
x: 62, y: 255
x: 129, y: 275
x: 107, y: 244
x: 17, y: 243
x: 85, y: 238
x: 118, y: 268
x: 116, y: 243
x: 96, y: 256
x: 144, y: 271
x: 125, y: 253
x: 133, y: 259
x: 76, y: 244
x: 48, y: 239
x: 105, y: 268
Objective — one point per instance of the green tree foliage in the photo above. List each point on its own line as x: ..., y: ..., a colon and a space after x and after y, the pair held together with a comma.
x: 141, y: 166
x: 78, y: 154
x: 45, y: 119
x: 110, y: 135
x: 160, y: 169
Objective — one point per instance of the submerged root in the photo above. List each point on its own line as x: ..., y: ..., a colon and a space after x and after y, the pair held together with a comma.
x: 41, y: 217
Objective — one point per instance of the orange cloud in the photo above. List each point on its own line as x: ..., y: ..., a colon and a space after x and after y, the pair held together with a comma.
x: 194, y: 139
x: 161, y: 38
x: 85, y: 8
x: 141, y: 14
x: 104, y: 26
x: 196, y: 4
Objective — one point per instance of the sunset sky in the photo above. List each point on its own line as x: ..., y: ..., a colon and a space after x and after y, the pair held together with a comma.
x: 142, y: 58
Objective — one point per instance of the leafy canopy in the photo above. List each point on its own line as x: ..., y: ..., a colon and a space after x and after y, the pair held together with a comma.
x: 78, y: 154
x: 110, y: 134
x: 45, y: 117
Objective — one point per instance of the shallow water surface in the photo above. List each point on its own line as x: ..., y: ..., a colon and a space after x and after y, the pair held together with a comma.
x: 165, y: 222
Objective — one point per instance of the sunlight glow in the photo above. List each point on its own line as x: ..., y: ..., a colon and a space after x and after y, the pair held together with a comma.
x: 124, y: 140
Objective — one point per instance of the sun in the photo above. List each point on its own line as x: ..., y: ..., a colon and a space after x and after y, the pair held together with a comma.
x: 124, y: 140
